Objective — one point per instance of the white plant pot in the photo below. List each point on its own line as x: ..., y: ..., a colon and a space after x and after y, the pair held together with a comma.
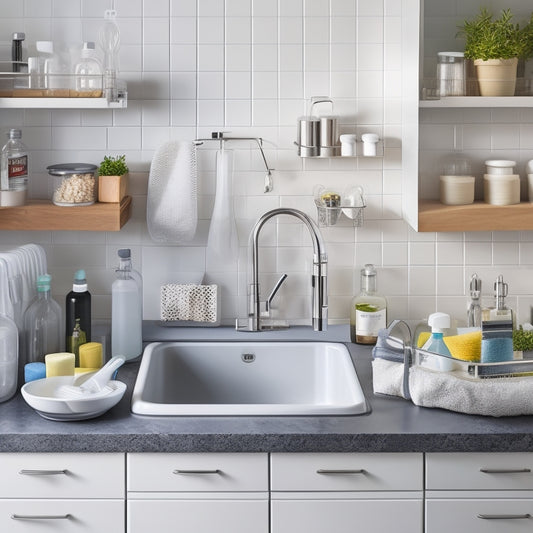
x: 496, y: 77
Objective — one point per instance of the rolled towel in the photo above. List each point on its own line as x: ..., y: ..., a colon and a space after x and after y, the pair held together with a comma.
x: 489, y: 397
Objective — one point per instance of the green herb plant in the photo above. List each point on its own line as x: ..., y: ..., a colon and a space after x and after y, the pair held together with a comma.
x: 113, y: 166
x: 522, y: 340
x: 489, y: 38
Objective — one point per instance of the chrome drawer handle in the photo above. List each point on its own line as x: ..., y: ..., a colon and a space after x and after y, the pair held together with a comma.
x: 504, y: 516
x: 505, y: 470
x: 40, y: 517
x: 42, y: 472
x: 342, y: 471
x: 197, y: 471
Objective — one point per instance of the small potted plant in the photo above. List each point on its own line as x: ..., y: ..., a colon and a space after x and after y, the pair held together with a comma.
x: 496, y: 45
x: 112, y: 179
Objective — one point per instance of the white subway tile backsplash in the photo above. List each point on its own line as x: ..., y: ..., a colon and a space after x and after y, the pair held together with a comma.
x: 248, y: 67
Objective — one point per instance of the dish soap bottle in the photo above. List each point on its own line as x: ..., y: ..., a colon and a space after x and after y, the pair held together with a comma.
x: 78, y: 315
x: 42, y: 323
x: 126, y: 313
x: 438, y: 322
x: 368, y: 312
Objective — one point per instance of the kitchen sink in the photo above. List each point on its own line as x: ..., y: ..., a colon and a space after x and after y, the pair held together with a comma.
x: 247, y: 379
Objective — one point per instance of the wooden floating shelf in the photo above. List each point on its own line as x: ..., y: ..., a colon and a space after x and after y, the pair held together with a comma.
x: 44, y: 215
x: 478, y: 101
x: 479, y: 216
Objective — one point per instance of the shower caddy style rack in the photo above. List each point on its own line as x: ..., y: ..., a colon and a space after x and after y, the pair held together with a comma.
x: 219, y: 136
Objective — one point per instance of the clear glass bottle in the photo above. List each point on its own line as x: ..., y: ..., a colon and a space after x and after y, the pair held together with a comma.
x: 9, y: 354
x: 14, y: 165
x: 78, y: 315
x: 368, y: 313
x: 126, y: 313
x: 89, y: 73
x: 42, y: 323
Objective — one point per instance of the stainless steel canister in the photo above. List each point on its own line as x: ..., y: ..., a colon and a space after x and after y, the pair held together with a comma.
x: 329, y: 136
x: 308, y: 136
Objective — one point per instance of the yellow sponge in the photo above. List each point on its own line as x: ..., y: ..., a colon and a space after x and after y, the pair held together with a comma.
x: 422, y: 338
x: 59, y: 364
x: 466, y: 347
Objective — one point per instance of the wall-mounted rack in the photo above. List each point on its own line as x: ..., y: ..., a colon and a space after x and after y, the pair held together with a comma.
x: 219, y: 136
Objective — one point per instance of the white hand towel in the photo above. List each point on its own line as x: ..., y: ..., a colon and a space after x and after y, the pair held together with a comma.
x: 171, y: 209
x: 489, y: 397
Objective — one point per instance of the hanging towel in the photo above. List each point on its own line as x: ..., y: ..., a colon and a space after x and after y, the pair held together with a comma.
x: 222, y: 252
x: 171, y: 209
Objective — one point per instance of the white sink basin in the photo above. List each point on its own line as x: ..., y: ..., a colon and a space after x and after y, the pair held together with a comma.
x: 247, y: 378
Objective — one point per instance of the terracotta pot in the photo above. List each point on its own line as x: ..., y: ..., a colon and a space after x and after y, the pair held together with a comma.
x: 496, y: 77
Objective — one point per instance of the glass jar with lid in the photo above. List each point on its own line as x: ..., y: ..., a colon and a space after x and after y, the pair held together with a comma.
x: 73, y: 184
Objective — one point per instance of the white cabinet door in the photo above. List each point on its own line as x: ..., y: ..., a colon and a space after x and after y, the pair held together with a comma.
x: 61, y: 516
x: 347, y: 516
x: 479, y: 516
x: 198, y: 516
x: 194, y: 472
x: 346, y: 471
x: 479, y: 471
x: 62, y: 475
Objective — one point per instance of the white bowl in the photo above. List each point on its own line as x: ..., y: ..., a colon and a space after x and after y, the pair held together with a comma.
x: 500, y: 166
x: 529, y: 167
x: 41, y: 394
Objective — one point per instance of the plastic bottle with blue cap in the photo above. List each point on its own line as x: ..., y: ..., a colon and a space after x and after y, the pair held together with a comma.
x: 439, y: 322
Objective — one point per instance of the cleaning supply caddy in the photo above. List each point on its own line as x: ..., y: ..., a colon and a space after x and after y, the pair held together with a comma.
x: 459, y: 383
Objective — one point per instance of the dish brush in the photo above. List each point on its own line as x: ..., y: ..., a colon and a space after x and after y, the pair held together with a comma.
x: 98, y: 383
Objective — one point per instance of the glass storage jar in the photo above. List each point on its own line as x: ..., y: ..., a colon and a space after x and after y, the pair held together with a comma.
x: 73, y: 184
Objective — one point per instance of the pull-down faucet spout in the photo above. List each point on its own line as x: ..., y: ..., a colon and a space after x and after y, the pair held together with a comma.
x: 318, y: 279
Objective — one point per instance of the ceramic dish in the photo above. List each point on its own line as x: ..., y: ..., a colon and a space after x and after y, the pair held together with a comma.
x: 41, y: 395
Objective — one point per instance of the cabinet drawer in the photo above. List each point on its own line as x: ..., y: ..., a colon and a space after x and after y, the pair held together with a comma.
x: 198, y: 516
x: 62, y: 516
x: 63, y: 475
x: 346, y: 471
x: 479, y: 516
x: 347, y: 516
x: 191, y: 472
x: 479, y: 471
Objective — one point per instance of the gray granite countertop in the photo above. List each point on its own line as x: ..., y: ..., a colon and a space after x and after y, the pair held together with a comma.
x: 393, y: 425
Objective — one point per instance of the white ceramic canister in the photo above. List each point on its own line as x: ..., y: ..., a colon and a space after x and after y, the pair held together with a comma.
x: 348, y: 144
x: 457, y: 190
x: 529, y: 172
x: 370, y: 144
x: 500, y: 167
x: 501, y: 189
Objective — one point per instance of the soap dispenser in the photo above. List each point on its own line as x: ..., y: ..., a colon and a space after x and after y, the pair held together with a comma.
x: 438, y: 322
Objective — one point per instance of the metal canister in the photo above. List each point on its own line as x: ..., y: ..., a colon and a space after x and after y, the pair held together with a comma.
x: 308, y: 136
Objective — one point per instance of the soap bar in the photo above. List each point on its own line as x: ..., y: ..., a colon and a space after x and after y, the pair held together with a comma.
x: 59, y: 364
x: 91, y: 355
x: 33, y: 371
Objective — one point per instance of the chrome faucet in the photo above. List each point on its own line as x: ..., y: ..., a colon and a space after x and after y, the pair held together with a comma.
x: 318, y: 280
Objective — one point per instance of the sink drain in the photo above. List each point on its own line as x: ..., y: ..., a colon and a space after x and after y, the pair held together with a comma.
x: 248, y: 357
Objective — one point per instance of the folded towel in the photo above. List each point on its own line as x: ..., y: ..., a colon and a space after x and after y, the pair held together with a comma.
x: 489, y: 397
x: 171, y: 207
x: 387, y: 377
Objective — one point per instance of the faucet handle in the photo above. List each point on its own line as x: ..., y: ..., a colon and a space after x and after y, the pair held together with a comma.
x: 268, y: 302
